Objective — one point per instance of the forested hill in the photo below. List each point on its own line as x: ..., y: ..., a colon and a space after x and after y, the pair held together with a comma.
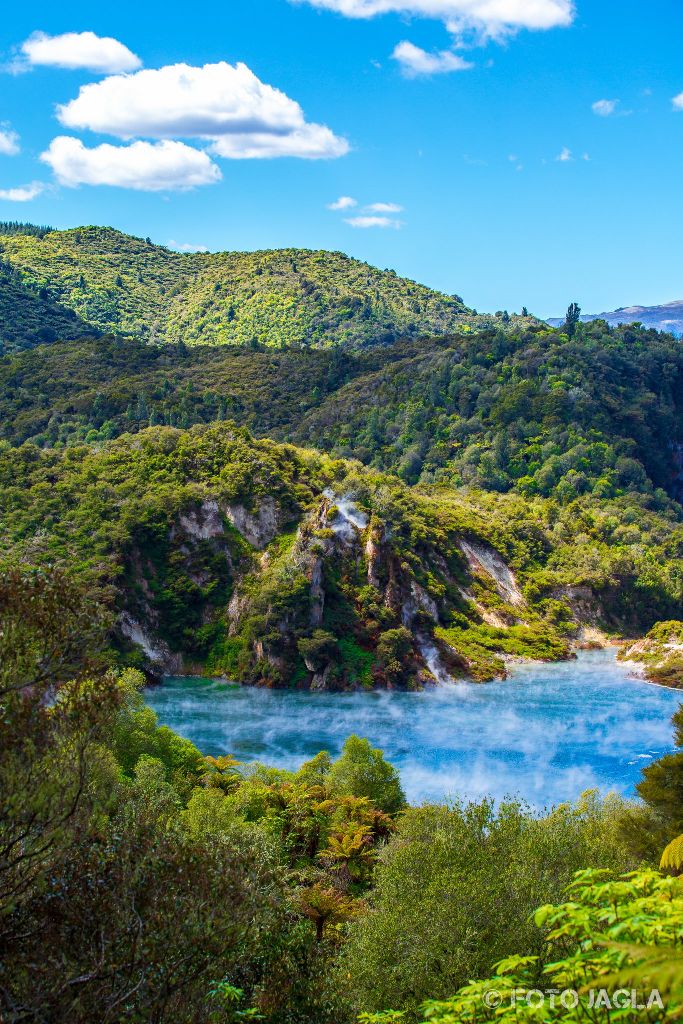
x: 599, y: 414
x: 94, y: 278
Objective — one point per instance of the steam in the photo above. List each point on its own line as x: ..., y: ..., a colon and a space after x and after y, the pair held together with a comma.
x: 546, y: 734
x: 349, y: 519
x: 433, y: 662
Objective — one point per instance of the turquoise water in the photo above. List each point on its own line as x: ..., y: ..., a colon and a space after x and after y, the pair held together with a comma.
x: 545, y: 734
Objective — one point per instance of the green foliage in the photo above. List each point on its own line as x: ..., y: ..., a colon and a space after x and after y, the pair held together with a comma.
x: 147, y: 522
x: 362, y: 771
x: 454, y: 891
x: 661, y: 786
x: 49, y: 748
x: 572, y: 319
x: 136, y: 735
x: 591, y: 418
x: 477, y: 646
x: 128, y: 876
x: 672, y: 857
x: 614, y: 936
x: 29, y: 318
x: 15, y: 227
x: 356, y: 663
x: 120, y: 284
x: 393, y: 649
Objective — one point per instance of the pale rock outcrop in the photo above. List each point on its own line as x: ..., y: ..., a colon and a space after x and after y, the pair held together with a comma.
x: 585, y: 606
x: 373, y: 554
x: 317, y: 592
x: 156, y: 651
x: 259, y: 528
x: 418, y: 601
x: 483, y: 558
x: 203, y: 523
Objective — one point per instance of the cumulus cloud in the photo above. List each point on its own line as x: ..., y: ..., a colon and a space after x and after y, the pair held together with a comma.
x: 565, y: 156
x: 9, y: 142
x: 22, y: 194
x: 310, y: 142
x: 79, y: 50
x: 678, y: 101
x: 343, y: 203
x: 416, y: 62
x: 371, y: 221
x: 226, y: 104
x: 384, y: 208
x: 605, y: 108
x: 488, y: 18
x: 148, y: 167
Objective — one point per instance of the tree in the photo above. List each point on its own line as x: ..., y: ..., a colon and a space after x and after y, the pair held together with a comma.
x: 613, y: 938
x: 325, y: 905
x: 393, y: 648
x: 573, y: 318
x: 55, y: 714
x: 672, y: 858
x: 454, y: 890
x: 661, y: 788
x: 362, y: 771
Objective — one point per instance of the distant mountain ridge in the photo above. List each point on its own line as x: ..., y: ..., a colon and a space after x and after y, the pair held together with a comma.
x: 667, y: 317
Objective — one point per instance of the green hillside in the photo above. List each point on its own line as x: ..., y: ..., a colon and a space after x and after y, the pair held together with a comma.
x: 275, y: 564
x: 116, y: 283
x: 30, y: 316
x: 599, y: 415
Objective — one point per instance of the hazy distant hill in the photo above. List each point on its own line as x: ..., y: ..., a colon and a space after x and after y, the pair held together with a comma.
x: 667, y: 317
x: 111, y: 282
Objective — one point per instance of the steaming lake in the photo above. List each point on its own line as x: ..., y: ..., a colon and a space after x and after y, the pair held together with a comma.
x: 545, y: 734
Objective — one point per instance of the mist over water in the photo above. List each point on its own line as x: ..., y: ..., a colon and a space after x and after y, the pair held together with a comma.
x: 545, y: 734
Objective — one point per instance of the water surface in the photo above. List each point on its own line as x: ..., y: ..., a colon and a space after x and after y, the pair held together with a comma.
x: 545, y: 734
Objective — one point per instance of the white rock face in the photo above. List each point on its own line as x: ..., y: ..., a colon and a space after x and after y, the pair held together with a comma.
x: 260, y: 528
x: 482, y: 558
x: 419, y: 601
x: 157, y: 652
x: 204, y: 523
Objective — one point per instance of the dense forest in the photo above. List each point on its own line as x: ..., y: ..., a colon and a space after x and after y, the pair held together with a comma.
x: 140, y: 880
x: 293, y: 470
x: 112, y: 282
x: 600, y: 413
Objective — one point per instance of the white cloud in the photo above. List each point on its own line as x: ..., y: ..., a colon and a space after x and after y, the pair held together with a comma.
x: 343, y: 203
x: 415, y: 61
x: 9, y: 142
x: 310, y: 142
x: 492, y: 18
x: 373, y: 222
x: 678, y: 101
x: 79, y: 50
x: 565, y: 156
x: 148, y: 167
x: 226, y: 104
x: 605, y: 108
x: 22, y: 194
x: 384, y: 208
x: 187, y: 247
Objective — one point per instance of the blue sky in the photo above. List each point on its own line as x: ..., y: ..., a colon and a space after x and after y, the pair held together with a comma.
x: 469, y: 153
